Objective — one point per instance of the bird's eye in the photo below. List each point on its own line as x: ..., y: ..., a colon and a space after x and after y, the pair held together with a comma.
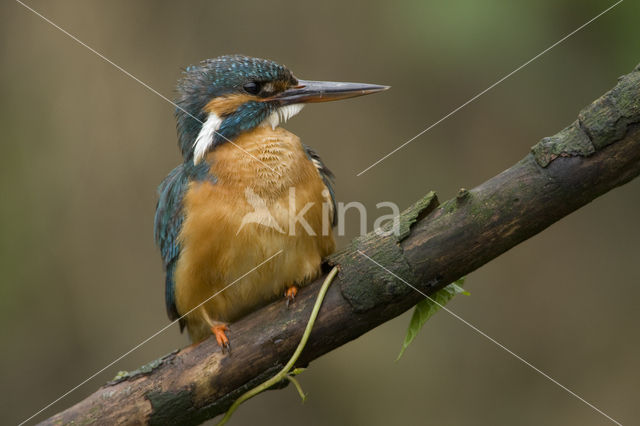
x: 252, y: 88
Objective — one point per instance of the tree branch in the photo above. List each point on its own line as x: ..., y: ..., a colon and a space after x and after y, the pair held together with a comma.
x: 437, y: 245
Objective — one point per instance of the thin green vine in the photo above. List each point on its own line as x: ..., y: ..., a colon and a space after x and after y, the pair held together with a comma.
x: 285, y: 373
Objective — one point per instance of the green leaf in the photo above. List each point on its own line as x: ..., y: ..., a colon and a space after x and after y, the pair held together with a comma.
x: 429, y: 306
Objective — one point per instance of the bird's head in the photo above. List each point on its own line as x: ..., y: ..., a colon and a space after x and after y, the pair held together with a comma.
x: 223, y: 97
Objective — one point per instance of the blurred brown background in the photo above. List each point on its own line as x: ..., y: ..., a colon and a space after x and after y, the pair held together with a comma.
x: 84, y: 148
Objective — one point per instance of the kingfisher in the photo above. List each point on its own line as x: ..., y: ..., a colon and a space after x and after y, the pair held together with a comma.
x: 247, y: 191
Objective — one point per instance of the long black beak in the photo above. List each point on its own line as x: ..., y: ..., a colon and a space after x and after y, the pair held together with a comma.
x: 324, y: 91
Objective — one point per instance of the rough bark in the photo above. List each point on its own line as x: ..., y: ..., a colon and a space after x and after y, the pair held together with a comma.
x: 437, y: 245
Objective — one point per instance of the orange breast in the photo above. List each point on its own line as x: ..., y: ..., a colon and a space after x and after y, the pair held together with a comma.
x: 233, y: 225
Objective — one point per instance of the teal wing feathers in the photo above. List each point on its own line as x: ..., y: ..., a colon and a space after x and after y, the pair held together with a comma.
x: 167, y: 224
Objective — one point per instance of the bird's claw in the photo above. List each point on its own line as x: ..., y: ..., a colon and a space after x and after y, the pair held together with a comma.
x: 221, y: 337
x: 290, y: 294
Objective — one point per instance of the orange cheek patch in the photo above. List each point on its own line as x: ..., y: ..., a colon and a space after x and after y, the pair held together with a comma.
x: 227, y: 104
x: 273, y: 87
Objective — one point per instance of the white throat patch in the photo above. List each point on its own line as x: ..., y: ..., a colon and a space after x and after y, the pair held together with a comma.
x: 282, y: 114
x: 205, y: 137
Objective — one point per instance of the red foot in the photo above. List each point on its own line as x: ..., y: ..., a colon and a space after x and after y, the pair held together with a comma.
x: 221, y: 337
x: 290, y: 294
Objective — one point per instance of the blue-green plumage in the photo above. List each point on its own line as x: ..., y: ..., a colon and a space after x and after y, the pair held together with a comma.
x: 246, y: 117
x: 168, y: 221
x: 217, y: 77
